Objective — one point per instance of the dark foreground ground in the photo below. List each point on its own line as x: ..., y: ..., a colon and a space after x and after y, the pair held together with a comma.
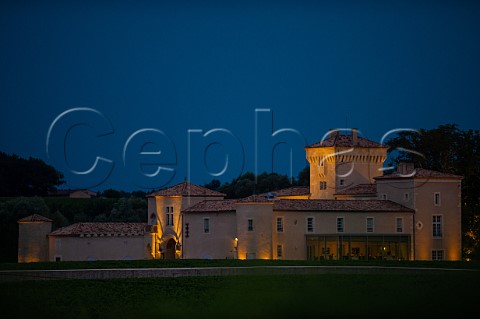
x: 445, y: 294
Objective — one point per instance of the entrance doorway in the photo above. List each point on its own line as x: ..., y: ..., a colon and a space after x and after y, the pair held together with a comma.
x: 170, y: 249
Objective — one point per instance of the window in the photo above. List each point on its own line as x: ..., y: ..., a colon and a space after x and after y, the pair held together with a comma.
x: 206, y: 225
x: 437, y: 254
x: 279, y: 251
x: 399, y: 224
x: 323, y: 185
x: 58, y: 258
x: 321, y: 167
x: 436, y: 199
x: 250, y: 225
x: 406, y: 197
x: 384, y: 196
x: 437, y: 226
x: 169, y: 215
x: 340, y: 225
x: 309, y: 224
x: 369, y: 224
x: 342, y: 182
x: 279, y: 224
x: 58, y: 244
x: 153, y: 219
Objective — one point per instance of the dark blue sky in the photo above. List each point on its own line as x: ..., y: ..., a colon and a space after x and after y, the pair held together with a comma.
x: 137, y: 69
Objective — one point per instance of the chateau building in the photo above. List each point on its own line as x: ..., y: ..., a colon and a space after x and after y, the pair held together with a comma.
x: 350, y: 211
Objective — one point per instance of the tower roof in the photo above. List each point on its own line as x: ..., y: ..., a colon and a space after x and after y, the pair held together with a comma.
x: 35, y: 218
x: 346, y: 141
x: 187, y: 189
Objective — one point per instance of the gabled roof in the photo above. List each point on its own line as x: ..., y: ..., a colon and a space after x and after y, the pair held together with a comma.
x: 359, y: 189
x: 102, y: 229
x: 225, y: 205
x: 328, y: 205
x: 420, y: 173
x: 187, y: 189
x: 34, y: 218
x: 322, y: 205
x: 346, y: 141
x: 293, y: 191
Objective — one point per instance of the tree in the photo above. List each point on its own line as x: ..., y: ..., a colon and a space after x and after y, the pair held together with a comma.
x: 304, y: 177
x: 246, y: 184
x: 27, y: 177
x: 451, y: 150
x: 131, y: 209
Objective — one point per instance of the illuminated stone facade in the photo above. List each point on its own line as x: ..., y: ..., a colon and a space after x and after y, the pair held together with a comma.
x: 350, y: 211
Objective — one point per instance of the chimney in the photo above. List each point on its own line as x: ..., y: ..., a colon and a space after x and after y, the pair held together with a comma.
x: 354, y: 136
x: 401, y: 169
x: 405, y: 168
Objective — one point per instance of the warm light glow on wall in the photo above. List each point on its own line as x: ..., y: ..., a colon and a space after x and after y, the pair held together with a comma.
x: 31, y: 259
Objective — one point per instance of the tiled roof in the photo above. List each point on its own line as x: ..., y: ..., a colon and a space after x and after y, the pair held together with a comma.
x: 290, y: 191
x: 256, y: 198
x: 328, y: 205
x: 187, y: 189
x: 360, y: 189
x: 346, y: 141
x: 420, y: 173
x: 293, y: 191
x: 102, y: 229
x: 34, y: 218
x: 226, y: 205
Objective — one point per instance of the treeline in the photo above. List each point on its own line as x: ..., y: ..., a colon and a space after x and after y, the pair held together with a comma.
x: 27, y: 177
x: 246, y: 184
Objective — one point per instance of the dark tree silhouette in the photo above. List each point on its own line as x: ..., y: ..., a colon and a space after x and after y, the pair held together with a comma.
x: 27, y: 177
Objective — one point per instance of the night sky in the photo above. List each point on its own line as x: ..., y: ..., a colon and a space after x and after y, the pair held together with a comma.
x: 198, y: 87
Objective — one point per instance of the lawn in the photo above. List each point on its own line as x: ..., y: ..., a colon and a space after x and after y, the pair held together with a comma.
x: 450, y: 293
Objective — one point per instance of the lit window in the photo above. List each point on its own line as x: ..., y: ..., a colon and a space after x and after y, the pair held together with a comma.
x: 437, y: 226
x: 437, y: 255
x: 340, y: 225
x: 279, y: 224
x: 250, y: 225
x: 206, y: 225
x: 399, y: 225
x: 279, y: 251
x: 436, y: 199
x: 169, y: 215
x: 369, y: 224
x: 309, y: 224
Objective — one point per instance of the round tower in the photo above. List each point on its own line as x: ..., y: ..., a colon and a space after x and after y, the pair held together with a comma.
x: 32, y: 238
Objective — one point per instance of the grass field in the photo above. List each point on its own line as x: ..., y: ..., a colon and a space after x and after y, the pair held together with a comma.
x: 448, y: 294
